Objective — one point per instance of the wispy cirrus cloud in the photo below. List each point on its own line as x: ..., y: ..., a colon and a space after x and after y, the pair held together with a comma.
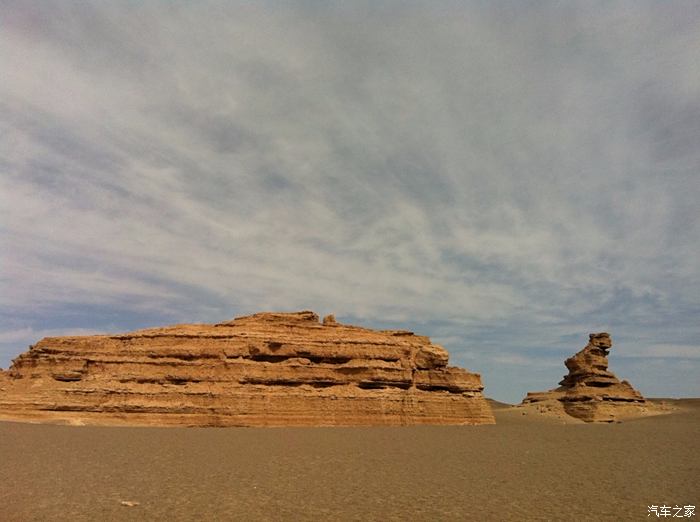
x: 503, y: 176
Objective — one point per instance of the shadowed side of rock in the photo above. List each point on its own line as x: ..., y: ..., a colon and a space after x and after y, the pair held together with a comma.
x: 590, y: 391
x: 267, y: 369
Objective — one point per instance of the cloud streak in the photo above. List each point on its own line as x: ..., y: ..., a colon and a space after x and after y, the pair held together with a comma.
x: 507, y: 176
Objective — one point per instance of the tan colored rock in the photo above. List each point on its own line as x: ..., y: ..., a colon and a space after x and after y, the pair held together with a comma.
x: 590, y: 391
x: 267, y: 369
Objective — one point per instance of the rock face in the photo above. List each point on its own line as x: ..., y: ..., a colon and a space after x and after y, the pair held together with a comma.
x: 268, y: 369
x: 591, y: 392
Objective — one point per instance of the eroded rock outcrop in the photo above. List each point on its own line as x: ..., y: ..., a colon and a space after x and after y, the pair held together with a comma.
x: 268, y: 369
x: 590, y: 391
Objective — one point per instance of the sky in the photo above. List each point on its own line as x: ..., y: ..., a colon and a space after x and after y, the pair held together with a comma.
x: 505, y: 177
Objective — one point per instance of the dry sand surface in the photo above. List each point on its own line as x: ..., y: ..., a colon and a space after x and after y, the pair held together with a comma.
x: 524, y: 468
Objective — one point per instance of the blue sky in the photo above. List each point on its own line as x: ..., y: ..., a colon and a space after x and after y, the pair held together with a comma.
x: 505, y: 177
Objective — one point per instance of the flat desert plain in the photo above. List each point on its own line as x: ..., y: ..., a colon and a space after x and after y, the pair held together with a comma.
x: 526, y: 467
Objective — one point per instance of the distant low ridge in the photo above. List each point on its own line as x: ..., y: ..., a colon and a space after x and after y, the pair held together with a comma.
x: 267, y: 369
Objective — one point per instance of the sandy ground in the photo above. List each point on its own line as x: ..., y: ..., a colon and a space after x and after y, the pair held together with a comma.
x: 524, y: 468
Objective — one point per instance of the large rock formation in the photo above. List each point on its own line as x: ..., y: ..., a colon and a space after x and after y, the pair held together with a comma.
x: 590, y: 391
x: 268, y: 369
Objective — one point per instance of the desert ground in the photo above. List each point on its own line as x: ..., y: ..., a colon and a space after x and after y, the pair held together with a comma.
x: 526, y: 467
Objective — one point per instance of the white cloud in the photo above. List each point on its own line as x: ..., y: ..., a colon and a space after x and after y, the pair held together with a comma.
x: 664, y: 351
x: 505, y: 173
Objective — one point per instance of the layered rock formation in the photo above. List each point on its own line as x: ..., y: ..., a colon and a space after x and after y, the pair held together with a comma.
x: 268, y: 369
x: 590, y: 391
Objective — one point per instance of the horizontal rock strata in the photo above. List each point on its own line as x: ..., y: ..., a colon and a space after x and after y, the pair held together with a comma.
x: 589, y: 391
x: 268, y: 369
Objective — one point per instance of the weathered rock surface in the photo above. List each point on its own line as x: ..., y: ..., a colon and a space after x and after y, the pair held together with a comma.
x: 590, y: 391
x: 268, y: 369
